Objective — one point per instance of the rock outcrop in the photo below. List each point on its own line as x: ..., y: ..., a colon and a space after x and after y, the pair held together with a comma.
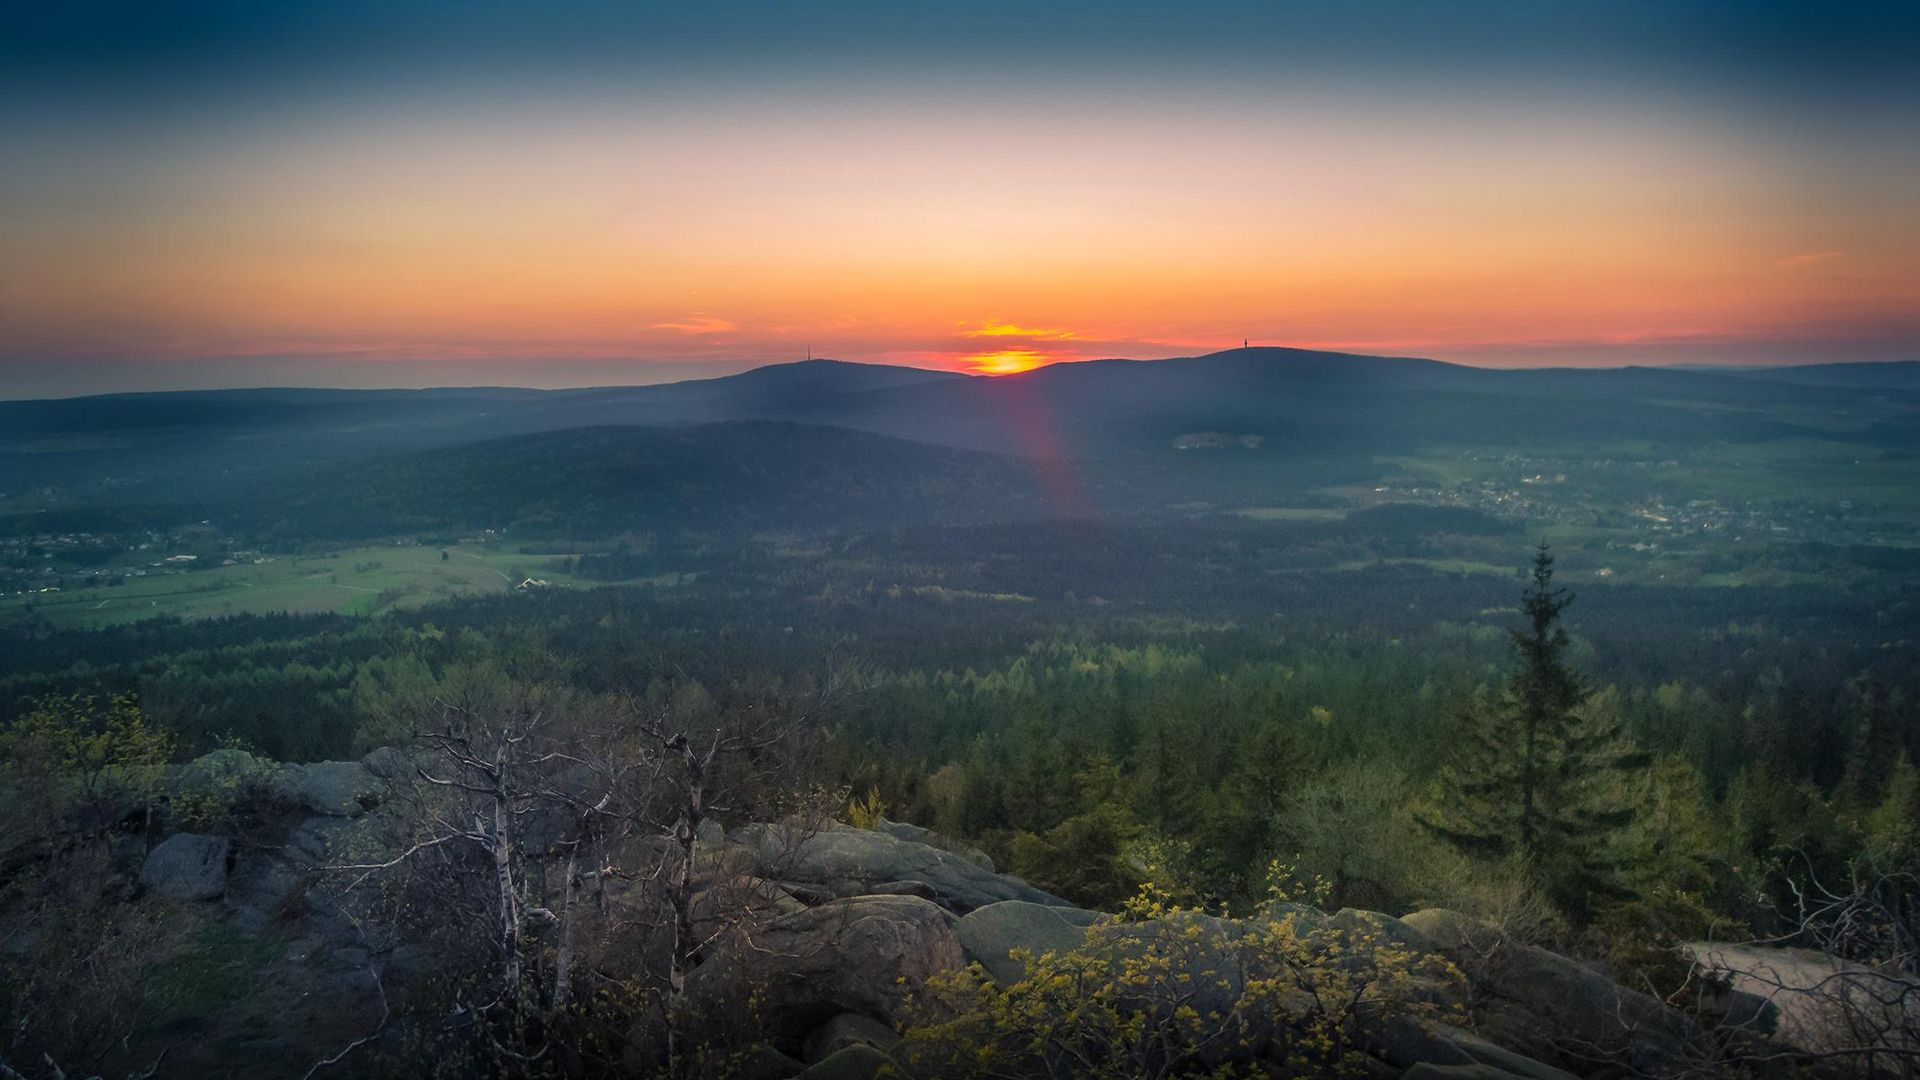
x: 848, y: 1029
x: 1808, y: 1000
x: 860, y: 955
x: 333, y: 788
x: 991, y: 934
x: 187, y: 866
x: 856, y: 1062
x: 812, y: 940
x: 1546, y: 1006
x: 842, y: 861
x: 917, y: 834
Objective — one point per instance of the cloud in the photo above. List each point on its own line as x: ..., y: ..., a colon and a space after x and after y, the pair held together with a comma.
x: 698, y: 323
x: 995, y: 329
x: 1812, y: 258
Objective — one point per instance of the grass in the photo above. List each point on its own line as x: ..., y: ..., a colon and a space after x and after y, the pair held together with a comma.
x: 360, y: 581
x: 1457, y: 566
x: 1292, y: 513
x: 220, y: 968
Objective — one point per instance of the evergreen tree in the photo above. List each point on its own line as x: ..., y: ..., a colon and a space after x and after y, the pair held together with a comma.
x: 1547, y: 771
x: 1876, y: 743
x: 1893, y: 827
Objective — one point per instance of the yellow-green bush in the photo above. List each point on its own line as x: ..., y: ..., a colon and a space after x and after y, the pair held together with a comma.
x: 1163, y: 990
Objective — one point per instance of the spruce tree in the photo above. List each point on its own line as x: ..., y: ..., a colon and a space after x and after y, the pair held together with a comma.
x: 1546, y: 772
x: 1875, y: 744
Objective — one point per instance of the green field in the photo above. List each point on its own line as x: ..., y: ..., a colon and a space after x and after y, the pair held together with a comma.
x: 1292, y: 513
x: 358, y: 580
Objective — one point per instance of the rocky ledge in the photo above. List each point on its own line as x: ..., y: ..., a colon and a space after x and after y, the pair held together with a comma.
x: 847, y: 926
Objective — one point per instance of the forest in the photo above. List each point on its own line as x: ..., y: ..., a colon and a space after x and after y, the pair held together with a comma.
x: 515, y: 755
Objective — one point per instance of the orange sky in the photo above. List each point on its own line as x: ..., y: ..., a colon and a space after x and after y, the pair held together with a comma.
x: 938, y: 234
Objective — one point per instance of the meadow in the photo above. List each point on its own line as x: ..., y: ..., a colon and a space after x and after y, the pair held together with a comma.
x: 365, y: 580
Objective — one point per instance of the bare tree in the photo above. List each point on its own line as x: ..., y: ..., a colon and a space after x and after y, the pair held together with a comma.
x: 505, y: 786
x: 574, y: 831
x: 745, y: 758
x: 1844, y: 974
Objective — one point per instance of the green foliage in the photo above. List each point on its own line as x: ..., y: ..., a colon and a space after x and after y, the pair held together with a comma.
x: 83, y: 759
x: 866, y: 813
x: 1876, y: 742
x: 1893, y: 827
x: 206, y: 788
x: 1084, y: 858
x: 1167, y: 990
x: 76, y: 983
x: 1547, y: 772
x: 1350, y: 828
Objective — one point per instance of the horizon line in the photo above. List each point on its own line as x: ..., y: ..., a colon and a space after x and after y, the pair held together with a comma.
x: 1705, y: 366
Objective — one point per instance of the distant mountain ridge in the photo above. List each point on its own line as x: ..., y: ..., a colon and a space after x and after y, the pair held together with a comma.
x: 1275, y: 404
x: 1312, y: 401
x: 1890, y: 375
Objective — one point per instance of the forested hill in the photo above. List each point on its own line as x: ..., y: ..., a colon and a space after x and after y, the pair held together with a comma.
x: 1279, y: 405
x: 1295, y: 401
x: 193, y: 447
x: 751, y: 475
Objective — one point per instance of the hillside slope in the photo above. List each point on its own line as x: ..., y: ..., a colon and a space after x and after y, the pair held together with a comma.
x: 1302, y: 401
x: 749, y: 475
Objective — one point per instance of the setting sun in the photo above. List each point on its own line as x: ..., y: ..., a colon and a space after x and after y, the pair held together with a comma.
x: 856, y: 538
x: 1007, y: 362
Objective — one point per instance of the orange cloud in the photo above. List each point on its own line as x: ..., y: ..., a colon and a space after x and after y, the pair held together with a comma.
x: 993, y: 329
x: 698, y: 323
x: 1306, y: 227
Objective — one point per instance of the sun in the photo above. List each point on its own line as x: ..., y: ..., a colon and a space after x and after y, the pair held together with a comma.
x: 1006, y: 361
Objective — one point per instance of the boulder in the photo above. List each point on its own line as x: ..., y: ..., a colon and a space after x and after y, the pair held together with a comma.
x: 899, y: 888
x: 1360, y: 939
x: 861, y: 955
x: 1406, y: 1042
x: 334, y: 788
x: 1374, y: 928
x: 1207, y: 958
x: 741, y: 899
x: 226, y: 776
x: 188, y: 866
x: 1545, y: 1006
x: 317, y: 840
x: 765, y: 1063
x: 900, y: 830
x: 260, y: 890
x: 848, y: 1029
x: 1718, y: 1003
x: 990, y: 934
x: 1304, y: 916
x: 388, y: 763
x: 856, y: 1062
x: 1809, y: 1000
x: 1457, y: 1072
x: 916, y: 834
x: 850, y: 862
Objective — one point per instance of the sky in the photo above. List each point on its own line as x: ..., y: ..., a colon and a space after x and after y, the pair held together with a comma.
x: 406, y: 193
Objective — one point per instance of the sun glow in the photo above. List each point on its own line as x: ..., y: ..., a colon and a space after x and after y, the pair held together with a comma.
x: 1007, y: 361
x: 536, y: 239
x: 994, y: 329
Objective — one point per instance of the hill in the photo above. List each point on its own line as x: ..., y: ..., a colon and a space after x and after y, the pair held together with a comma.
x: 1285, y: 418
x: 749, y: 475
x: 1900, y: 375
x: 1299, y: 401
x: 202, y: 445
